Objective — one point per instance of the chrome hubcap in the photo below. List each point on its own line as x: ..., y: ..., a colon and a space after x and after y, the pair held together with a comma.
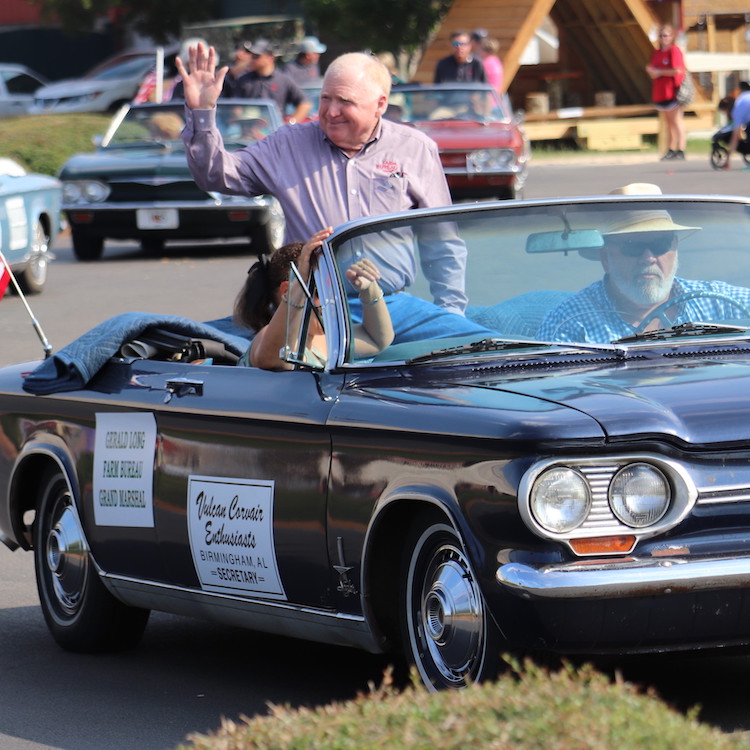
x: 452, y: 615
x: 67, y: 560
x: 38, y: 255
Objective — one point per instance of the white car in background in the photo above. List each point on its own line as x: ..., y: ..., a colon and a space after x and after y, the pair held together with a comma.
x: 105, y: 88
x: 17, y: 87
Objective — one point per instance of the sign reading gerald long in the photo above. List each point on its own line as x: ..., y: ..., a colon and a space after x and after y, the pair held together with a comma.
x: 124, y: 469
x: 230, y: 522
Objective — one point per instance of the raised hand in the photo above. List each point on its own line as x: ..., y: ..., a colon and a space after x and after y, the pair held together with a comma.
x: 362, y: 273
x: 305, y: 259
x: 203, y: 84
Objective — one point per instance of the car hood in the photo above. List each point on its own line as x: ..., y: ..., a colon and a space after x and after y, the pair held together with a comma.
x: 698, y: 401
x: 467, y: 135
x: 112, y: 163
x: 76, y: 87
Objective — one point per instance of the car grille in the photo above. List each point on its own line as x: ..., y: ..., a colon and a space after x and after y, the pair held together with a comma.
x: 141, y: 192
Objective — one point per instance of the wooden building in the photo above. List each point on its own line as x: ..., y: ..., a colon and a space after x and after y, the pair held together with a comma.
x: 597, y: 88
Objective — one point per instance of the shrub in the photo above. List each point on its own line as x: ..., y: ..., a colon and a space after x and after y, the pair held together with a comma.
x: 569, y: 709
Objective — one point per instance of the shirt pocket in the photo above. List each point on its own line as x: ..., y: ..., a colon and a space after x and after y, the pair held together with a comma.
x: 389, y: 194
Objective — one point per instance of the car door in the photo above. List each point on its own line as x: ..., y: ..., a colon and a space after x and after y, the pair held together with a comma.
x: 241, y: 481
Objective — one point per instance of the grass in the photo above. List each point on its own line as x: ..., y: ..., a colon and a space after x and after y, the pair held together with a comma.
x: 43, y: 143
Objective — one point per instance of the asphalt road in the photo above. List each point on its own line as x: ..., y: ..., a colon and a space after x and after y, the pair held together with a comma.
x: 187, y: 674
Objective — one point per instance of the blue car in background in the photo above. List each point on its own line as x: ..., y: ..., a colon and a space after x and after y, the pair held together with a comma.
x: 30, y: 220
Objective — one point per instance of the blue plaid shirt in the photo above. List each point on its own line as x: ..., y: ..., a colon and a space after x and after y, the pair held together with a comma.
x: 589, y: 316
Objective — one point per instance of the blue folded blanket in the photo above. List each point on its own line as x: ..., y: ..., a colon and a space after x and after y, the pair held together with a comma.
x: 76, y: 364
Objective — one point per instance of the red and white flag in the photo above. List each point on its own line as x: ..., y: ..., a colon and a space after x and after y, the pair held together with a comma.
x: 4, y: 275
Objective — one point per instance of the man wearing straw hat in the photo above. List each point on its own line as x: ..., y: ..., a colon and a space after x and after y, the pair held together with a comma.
x: 639, y: 257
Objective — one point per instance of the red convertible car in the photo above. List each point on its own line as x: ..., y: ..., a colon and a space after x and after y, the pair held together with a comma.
x: 483, y: 148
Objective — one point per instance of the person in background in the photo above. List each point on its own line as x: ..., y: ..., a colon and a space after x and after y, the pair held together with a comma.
x: 493, y: 66
x: 264, y: 80
x: 740, y: 118
x: 241, y: 64
x: 267, y: 300
x: 305, y: 68
x: 389, y: 61
x: 461, y: 65
x: 667, y: 69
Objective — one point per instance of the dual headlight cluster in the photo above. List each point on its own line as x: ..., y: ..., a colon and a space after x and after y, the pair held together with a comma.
x: 85, y: 191
x: 491, y: 160
x: 638, y: 495
x: 593, y: 498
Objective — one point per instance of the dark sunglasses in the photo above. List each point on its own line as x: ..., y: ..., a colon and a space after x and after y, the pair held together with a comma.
x: 657, y: 244
x: 460, y: 44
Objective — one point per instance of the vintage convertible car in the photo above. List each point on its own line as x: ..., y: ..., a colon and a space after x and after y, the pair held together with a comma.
x: 564, y: 467
x: 483, y: 148
x: 29, y: 222
x: 137, y: 184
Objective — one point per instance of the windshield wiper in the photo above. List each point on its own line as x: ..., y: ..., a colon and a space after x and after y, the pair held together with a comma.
x: 476, y: 347
x: 681, y: 330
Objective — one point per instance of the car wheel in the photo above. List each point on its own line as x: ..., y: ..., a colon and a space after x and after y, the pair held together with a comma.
x: 152, y: 246
x: 33, y: 278
x: 268, y: 234
x: 446, y: 630
x: 80, y: 613
x: 87, y: 248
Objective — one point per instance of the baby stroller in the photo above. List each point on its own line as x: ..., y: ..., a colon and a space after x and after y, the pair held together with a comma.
x: 720, y: 147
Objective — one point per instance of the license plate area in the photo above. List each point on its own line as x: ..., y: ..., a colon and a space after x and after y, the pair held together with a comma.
x: 157, y: 218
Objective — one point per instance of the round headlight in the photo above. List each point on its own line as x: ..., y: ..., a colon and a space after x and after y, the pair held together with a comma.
x: 95, y: 191
x: 639, y: 495
x: 560, y: 500
x: 71, y: 192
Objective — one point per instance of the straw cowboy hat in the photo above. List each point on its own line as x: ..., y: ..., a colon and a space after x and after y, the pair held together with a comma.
x: 639, y: 220
x: 651, y: 220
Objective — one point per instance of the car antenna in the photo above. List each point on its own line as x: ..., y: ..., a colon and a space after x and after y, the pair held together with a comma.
x: 34, y: 322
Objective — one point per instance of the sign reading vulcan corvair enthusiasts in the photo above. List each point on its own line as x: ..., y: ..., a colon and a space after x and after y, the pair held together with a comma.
x: 231, y: 535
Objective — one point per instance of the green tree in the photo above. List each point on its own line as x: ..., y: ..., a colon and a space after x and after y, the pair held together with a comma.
x: 395, y: 26
x: 162, y: 20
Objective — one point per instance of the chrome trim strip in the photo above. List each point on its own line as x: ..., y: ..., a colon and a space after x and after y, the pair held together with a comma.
x: 256, y: 614
x: 463, y: 172
x: 619, y: 579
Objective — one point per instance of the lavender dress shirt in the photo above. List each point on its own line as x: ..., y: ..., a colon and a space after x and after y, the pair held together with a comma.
x: 318, y: 185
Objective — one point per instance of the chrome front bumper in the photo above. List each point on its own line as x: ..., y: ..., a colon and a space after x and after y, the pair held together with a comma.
x: 616, y: 579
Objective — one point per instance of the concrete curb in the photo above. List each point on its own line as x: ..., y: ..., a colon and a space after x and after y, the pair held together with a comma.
x: 588, y: 158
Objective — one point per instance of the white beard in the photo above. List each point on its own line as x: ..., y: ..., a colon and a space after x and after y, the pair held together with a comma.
x: 641, y: 292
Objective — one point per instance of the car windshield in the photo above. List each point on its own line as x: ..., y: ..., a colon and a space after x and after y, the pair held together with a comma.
x: 597, y: 273
x: 238, y: 124
x: 445, y: 103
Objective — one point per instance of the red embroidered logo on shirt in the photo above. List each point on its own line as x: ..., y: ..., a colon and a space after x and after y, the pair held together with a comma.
x: 387, y: 166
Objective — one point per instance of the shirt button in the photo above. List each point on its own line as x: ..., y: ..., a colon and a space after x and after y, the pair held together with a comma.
x: 353, y: 191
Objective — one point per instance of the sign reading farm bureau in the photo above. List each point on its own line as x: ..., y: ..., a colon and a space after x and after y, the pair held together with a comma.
x: 124, y: 469
x: 230, y: 522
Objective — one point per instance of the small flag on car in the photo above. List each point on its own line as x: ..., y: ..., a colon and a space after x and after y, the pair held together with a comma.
x: 4, y: 275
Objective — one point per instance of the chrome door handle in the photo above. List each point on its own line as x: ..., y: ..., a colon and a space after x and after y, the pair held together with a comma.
x: 182, y: 387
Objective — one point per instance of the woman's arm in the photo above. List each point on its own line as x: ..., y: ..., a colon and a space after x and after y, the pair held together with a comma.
x: 265, y: 347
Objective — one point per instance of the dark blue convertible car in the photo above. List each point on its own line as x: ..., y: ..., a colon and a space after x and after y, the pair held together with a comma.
x: 559, y: 459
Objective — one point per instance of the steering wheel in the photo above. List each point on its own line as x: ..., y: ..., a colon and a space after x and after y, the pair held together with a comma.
x: 680, y: 298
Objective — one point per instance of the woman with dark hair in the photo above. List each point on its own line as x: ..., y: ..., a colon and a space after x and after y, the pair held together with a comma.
x: 667, y: 71
x: 267, y: 298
